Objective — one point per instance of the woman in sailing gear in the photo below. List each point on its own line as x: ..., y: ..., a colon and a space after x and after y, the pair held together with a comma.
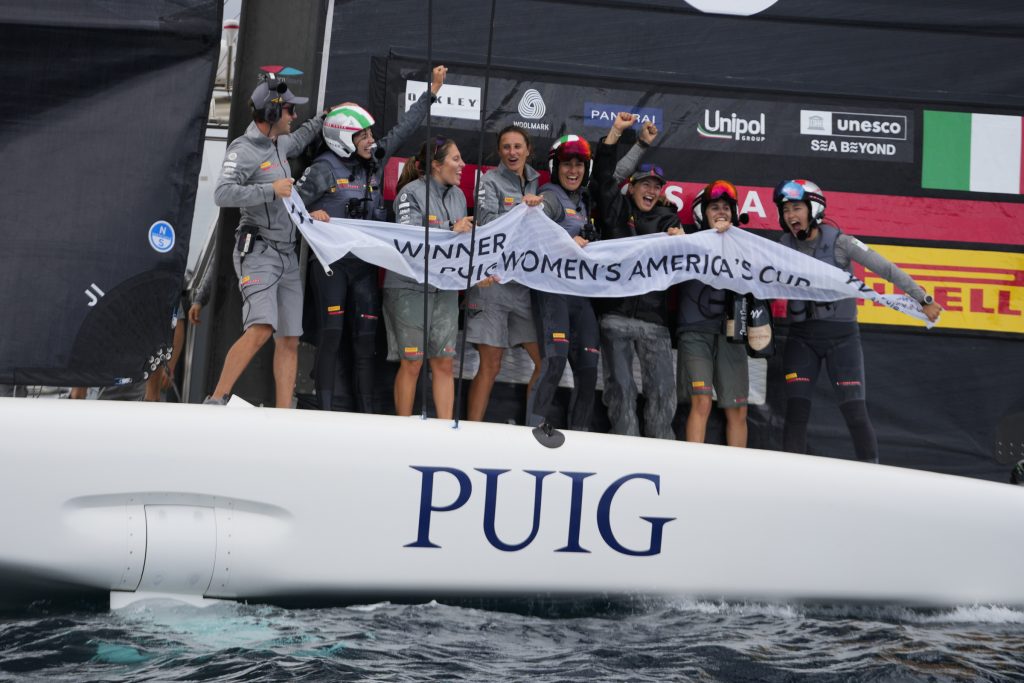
x: 828, y: 331
x: 636, y: 324
x: 403, y: 296
x: 566, y: 325
x: 254, y: 175
x: 345, y: 182
x: 706, y: 358
x: 500, y: 316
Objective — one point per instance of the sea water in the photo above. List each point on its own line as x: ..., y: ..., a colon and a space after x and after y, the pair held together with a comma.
x: 624, y: 640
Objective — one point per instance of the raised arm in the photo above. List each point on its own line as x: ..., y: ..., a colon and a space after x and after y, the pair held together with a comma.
x: 410, y: 120
x: 850, y: 248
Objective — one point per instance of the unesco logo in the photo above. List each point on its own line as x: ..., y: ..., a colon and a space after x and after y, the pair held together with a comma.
x: 531, y: 106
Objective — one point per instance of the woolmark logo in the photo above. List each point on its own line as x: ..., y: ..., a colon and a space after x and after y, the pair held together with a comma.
x: 731, y: 127
x: 531, y: 106
x: 843, y: 124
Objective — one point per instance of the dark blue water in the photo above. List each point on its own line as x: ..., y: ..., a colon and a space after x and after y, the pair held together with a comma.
x: 639, y: 640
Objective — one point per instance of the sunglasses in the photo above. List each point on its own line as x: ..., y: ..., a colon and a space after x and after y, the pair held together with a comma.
x: 289, y: 107
x: 651, y: 168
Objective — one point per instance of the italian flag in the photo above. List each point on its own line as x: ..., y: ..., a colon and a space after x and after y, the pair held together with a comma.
x: 972, y: 152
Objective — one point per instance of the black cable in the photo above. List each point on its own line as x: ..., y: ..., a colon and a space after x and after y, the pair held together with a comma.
x: 428, y: 162
x: 476, y: 189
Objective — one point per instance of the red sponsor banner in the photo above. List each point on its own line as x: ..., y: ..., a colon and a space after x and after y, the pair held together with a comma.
x: 864, y: 215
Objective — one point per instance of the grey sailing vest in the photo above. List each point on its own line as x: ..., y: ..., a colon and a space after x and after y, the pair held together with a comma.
x: 356, y: 190
x: 844, y: 310
x: 574, y: 214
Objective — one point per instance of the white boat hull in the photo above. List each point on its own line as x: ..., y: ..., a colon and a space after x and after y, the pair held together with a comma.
x: 264, y: 504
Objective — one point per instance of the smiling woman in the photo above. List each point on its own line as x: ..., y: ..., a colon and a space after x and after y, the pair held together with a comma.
x: 635, y: 325
x: 404, y: 299
x: 567, y: 328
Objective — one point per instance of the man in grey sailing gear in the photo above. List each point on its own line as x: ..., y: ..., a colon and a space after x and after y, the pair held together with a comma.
x: 255, y: 177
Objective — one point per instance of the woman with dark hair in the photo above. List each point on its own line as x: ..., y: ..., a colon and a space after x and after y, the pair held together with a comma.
x: 500, y: 316
x: 828, y: 331
x: 345, y: 182
x: 566, y: 325
x: 403, y: 296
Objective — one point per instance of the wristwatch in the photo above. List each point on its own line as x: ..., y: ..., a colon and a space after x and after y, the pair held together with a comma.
x: 928, y: 300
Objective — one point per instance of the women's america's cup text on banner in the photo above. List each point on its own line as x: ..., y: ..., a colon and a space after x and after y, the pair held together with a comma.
x: 526, y: 247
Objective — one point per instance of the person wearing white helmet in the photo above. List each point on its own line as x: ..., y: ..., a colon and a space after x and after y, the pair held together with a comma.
x: 828, y: 331
x: 345, y: 182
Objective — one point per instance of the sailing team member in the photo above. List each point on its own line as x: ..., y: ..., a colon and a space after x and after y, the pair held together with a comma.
x: 636, y: 324
x: 829, y: 331
x: 403, y: 296
x: 254, y: 176
x: 345, y: 182
x: 705, y: 356
x: 566, y: 324
x: 500, y: 316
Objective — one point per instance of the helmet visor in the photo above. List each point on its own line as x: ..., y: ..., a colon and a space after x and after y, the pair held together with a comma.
x: 791, y: 191
x: 721, y: 189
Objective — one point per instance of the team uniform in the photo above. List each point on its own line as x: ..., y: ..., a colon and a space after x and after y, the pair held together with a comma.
x: 501, y: 314
x: 637, y: 324
x: 828, y: 332
x: 567, y: 327
x: 268, y: 277
x: 350, y: 187
x: 403, y: 296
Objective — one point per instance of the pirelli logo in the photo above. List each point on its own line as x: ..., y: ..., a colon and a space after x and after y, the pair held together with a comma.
x: 979, y: 290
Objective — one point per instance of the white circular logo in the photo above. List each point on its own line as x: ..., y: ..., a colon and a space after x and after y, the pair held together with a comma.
x: 161, y: 236
x: 742, y: 7
x: 532, y: 105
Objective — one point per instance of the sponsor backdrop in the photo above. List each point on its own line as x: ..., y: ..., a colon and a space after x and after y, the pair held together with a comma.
x: 919, y: 157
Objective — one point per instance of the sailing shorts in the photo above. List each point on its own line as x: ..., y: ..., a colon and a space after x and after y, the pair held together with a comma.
x: 503, y: 321
x: 403, y: 318
x: 271, y: 289
x: 707, y: 359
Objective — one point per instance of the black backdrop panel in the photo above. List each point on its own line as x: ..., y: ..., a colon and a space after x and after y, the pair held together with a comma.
x: 102, y: 125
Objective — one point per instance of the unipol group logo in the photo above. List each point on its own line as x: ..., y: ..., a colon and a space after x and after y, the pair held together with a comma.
x: 740, y: 7
x: 531, y: 106
x: 731, y: 127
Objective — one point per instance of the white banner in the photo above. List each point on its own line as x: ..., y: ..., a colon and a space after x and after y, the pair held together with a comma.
x: 525, y: 246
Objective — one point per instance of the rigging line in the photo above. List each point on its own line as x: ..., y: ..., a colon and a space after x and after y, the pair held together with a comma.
x: 428, y: 163
x: 476, y: 204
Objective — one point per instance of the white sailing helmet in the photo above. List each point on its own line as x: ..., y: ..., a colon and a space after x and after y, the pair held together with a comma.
x: 341, y: 125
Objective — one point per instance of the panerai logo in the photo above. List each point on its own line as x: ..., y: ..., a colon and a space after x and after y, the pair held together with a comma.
x: 573, y: 522
x: 731, y: 127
